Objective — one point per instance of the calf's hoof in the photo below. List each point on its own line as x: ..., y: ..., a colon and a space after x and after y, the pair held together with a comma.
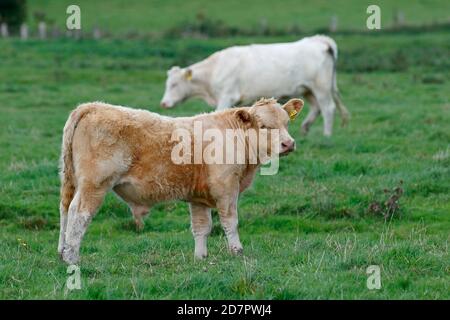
x: 236, y: 250
x: 60, y: 250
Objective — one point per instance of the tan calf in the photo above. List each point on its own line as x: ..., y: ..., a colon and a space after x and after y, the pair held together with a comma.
x: 129, y: 151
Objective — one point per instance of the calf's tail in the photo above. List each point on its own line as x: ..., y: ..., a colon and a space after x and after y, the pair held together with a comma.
x: 67, y: 172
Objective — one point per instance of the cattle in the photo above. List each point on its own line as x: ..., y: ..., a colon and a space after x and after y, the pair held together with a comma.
x: 131, y: 152
x: 241, y: 74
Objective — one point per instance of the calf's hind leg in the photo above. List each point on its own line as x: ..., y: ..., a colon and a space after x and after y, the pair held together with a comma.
x: 83, y: 207
x: 62, y: 228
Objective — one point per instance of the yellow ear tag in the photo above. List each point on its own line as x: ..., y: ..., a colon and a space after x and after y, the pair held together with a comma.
x: 293, y: 114
x: 189, y: 76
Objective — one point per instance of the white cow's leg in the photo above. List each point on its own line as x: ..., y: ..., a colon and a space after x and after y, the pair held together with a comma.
x: 229, y: 220
x: 62, y: 228
x: 327, y: 107
x: 201, y: 224
x: 227, y: 101
x: 314, y: 112
x: 81, y: 210
x: 223, y: 106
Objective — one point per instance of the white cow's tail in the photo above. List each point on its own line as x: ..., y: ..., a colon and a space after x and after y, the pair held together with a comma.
x: 333, y: 51
x: 67, y: 172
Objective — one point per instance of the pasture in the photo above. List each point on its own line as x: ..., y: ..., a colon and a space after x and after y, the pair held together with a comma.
x: 308, y: 232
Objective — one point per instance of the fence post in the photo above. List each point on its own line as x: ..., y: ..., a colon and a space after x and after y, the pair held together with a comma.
x: 55, y: 32
x: 263, y: 26
x: 42, y: 29
x: 4, y: 30
x: 399, y: 18
x: 96, y: 33
x: 24, y: 31
x: 333, y: 24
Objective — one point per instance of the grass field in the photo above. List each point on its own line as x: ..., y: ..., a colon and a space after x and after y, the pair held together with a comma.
x: 121, y: 16
x: 308, y: 232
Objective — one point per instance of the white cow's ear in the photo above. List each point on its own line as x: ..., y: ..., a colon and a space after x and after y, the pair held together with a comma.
x: 293, y: 107
x: 173, y: 69
x: 188, y: 74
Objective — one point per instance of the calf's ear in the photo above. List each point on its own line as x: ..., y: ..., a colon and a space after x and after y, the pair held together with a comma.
x: 244, y: 117
x: 293, y: 107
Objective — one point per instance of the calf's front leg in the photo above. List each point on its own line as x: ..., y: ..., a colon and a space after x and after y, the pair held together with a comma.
x: 201, y: 224
x: 229, y: 220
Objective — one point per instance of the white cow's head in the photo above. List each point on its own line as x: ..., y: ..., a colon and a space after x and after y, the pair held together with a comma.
x: 178, y: 86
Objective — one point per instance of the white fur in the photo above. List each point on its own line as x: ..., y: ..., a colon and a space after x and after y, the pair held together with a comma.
x: 62, y: 230
x: 77, y: 224
x: 242, y: 74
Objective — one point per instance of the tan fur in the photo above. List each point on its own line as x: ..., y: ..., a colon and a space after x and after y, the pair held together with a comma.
x: 129, y: 151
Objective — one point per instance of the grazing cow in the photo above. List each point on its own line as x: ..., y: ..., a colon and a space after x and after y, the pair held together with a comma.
x: 242, y: 74
x: 130, y: 152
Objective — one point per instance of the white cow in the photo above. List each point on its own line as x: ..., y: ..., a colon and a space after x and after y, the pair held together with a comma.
x: 241, y: 74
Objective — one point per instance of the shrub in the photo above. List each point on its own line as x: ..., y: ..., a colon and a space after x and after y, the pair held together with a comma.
x: 13, y: 12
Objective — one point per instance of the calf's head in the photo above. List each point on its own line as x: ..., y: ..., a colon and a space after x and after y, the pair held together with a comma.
x: 269, y: 116
x: 179, y: 86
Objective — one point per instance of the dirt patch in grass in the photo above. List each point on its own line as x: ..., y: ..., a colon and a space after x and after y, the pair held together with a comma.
x: 36, y: 223
x: 390, y: 206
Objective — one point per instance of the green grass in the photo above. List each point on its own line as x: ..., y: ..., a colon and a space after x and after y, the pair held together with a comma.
x: 155, y: 16
x: 307, y: 231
